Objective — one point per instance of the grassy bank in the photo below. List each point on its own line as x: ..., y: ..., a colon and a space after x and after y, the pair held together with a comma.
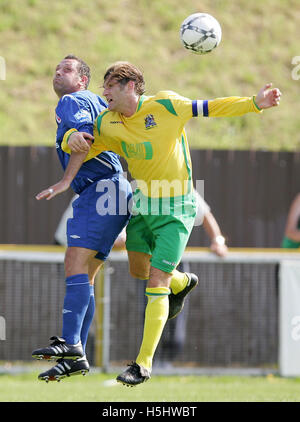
x: 259, y: 41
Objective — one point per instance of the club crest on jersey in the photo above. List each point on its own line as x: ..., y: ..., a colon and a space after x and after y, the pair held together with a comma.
x: 149, y: 121
x: 57, y: 118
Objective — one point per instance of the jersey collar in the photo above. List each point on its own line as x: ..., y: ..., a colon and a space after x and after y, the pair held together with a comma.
x: 141, y: 100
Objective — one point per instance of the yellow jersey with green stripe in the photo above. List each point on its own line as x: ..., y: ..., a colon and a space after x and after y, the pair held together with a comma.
x: 153, y: 139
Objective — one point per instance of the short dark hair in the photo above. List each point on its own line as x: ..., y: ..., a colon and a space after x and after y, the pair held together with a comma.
x: 123, y: 72
x: 82, y: 67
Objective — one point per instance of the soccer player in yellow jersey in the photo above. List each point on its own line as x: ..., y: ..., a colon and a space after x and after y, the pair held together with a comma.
x: 148, y: 131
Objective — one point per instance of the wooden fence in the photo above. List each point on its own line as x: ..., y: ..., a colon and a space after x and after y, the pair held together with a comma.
x: 249, y: 193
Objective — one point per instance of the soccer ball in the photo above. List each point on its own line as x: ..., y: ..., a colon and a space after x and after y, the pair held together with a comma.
x: 200, y: 33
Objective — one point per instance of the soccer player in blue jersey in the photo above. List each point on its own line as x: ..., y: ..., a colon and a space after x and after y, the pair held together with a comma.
x: 90, y: 233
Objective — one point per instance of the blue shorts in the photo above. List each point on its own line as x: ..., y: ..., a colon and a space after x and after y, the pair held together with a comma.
x: 99, y: 215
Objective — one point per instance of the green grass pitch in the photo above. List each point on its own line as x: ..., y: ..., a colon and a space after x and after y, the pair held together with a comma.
x: 99, y: 387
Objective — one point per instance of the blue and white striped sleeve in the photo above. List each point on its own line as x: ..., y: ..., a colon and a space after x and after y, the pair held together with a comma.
x: 200, y: 108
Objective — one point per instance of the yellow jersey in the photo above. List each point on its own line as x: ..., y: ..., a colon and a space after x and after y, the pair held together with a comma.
x: 153, y: 140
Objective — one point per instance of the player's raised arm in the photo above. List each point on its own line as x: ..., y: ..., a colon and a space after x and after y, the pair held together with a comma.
x: 75, y: 162
x: 238, y: 106
x: 268, y: 97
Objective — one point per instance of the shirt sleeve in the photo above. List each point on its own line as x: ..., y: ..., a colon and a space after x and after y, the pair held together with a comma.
x: 224, y: 107
x: 100, y: 144
x: 65, y: 147
x: 176, y: 104
x: 186, y: 108
x: 76, y: 114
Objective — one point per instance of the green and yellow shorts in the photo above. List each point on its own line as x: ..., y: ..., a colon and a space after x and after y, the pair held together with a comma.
x: 162, y: 229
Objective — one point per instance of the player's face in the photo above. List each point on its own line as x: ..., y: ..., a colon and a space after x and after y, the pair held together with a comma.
x: 116, y: 95
x: 66, y: 78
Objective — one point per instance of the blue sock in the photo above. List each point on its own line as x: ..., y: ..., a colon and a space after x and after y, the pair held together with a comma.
x: 76, y: 302
x: 88, y: 318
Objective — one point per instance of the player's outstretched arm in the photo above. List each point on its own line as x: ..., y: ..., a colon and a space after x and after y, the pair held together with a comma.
x: 52, y: 191
x: 268, y: 97
x: 213, y: 231
x: 74, y: 165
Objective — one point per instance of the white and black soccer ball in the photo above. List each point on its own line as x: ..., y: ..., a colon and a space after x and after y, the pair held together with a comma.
x: 200, y: 33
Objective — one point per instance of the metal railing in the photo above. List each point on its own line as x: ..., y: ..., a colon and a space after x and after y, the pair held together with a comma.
x: 230, y: 321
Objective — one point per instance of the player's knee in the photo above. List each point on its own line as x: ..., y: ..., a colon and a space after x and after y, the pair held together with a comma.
x: 68, y: 264
x: 75, y: 263
x: 139, y: 274
x: 139, y: 265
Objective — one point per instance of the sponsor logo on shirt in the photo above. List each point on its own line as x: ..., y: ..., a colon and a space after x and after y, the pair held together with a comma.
x: 83, y: 115
x: 114, y: 122
x: 138, y: 151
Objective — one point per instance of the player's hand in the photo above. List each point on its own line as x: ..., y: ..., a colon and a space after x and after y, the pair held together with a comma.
x: 53, y: 190
x: 80, y: 141
x: 268, y: 97
x: 220, y: 250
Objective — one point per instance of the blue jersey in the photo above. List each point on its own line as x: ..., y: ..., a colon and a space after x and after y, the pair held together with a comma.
x: 79, y: 110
